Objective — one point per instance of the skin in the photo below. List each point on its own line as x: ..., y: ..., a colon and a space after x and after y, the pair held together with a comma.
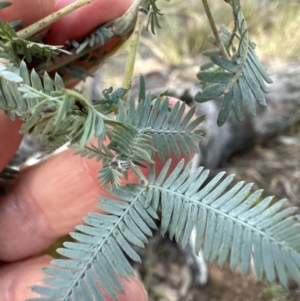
x: 29, y: 217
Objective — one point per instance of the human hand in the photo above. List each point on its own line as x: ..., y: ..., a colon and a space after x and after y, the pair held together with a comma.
x: 76, y: 25
x: 48, y: 199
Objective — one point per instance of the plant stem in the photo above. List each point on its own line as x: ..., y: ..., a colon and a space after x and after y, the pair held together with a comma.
x: 128, y: 74
x: 233, y: 34
x: 215, y: 30
x: 140, y: 176
x: 79, y: 96
x: 243, y: 44
x: 29, y: 31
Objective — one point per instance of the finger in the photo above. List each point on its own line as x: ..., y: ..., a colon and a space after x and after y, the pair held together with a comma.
x: 80, y: 22
x: 175, y: 160
x: 46, y: 202
x: 9, y: 138
x: 16, y: 279
x: 28, y: 11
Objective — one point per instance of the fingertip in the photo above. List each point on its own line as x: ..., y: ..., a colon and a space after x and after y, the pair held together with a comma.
x: 47, y: 201
x: 17, y: 278
x: 134, y: 291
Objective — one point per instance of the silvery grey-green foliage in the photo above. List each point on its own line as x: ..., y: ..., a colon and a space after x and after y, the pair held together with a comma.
x: 152, y: 122
x: 239, y: 78
x: 145, y: 128
x: 48, y: 110
x: 5, y: 4
x: 153, y: 16
x: 230, y: 222
x: 98, y: 36
x: 11, y: 46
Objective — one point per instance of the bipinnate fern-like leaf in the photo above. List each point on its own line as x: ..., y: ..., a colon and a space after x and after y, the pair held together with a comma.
x: 148, y: 126
x: 14, y: 48
x: 250, y: 84
x: 142, y: 128
x: 98, y: 255
x: 153, y: 125
x: 110, y: 101
x: 98, y: 36
x: 153, y: 16
x: 30, y: 50
x: 239, y: 78
x: 92, y: 151
x: 55, y: 114
x: 230, y: 223
x: 110, y: 177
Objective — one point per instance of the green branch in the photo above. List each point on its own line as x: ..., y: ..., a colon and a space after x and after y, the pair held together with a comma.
x: 141, y: 15
x: 142, y: 179
x: 215, y: 30
x: 37, y: 26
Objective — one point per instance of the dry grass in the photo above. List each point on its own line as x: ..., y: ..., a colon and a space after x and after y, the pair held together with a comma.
x: 273, y: 26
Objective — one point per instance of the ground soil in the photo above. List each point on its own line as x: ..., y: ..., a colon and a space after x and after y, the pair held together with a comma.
x: 167, y: 277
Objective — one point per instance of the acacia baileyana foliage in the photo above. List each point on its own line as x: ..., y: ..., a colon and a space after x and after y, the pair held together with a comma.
x: 231, y: 222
